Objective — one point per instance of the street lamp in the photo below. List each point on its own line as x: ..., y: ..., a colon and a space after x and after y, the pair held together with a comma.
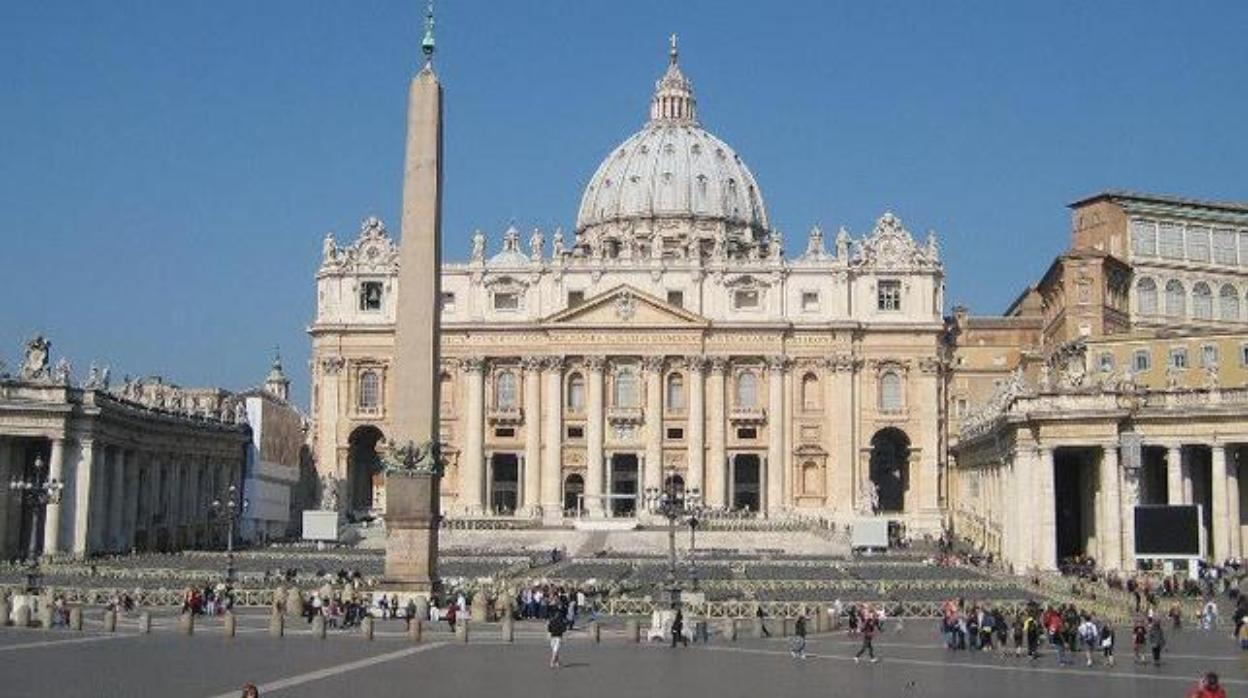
x: 673, y: 503
x: 39, y: 492
x: 231, y: 508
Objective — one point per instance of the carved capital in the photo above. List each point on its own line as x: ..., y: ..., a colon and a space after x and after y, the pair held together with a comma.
x: 331, y: 365
x: 472, y: 364
x: 595, y: 364
x: 694, y: 363
x: 533, y: 363
x: 717, y: 364
x: 653, y: 364
x: 778, y: 364
x: 930, y: 364
x: 555, y: 363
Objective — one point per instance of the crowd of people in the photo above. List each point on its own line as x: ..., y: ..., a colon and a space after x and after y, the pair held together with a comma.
x: 209, y: 600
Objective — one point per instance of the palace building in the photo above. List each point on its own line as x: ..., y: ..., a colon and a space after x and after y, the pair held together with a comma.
x: 665, y: 339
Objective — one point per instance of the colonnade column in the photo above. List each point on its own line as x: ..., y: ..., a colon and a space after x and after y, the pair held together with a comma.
x: 775, y: 435
x: 83, y: 471
x: 1045, y: 555
x: 1174, y: 475
x: 1232, y: 504
x: 532, y: 433
x: 1221, y: 519
x: 696, y: 429
x: 552, y: 462
x: 175, y: 499
x: 594, y: 366
x: 1111, y: 496
x: 653, y: 475
x: 6, y: 500
x: 1130, y: 496
x: 117, y: 503
x: 472, y: 470
x: 52, y: 513
x: 716, y: 467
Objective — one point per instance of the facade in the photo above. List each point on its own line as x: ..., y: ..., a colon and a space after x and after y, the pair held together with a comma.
x: 667, y: 338
x: 1119, y: 379
x: 276, y: 455
x: 139, y: 463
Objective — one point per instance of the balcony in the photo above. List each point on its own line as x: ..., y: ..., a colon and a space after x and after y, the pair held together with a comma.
x: 622, y: 416
x: 747, y: 415
x: 505, y: 415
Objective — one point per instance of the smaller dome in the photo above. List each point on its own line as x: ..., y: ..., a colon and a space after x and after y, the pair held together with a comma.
x: 510, y: 255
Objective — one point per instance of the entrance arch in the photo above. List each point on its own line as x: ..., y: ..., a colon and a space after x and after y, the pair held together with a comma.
x: 362, y: 463
x: 746, y: 475
x: 890, y: 469
x: 573, y: 488
x: 674, y: 483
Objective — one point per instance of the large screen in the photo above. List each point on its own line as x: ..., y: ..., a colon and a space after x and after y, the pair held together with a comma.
x: 1167, y: 531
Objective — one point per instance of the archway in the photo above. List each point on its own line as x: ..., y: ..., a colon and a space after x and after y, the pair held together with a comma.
x: 573, y: 488
x: 674, y: 483
x: 362, y: 464
x: 504, y: 483
x: 746, y: 494
x: 890, y: 469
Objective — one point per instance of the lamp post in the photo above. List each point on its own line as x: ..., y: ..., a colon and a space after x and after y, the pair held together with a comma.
x: 673, y: 504
x: 229, y: 507
x: 38, y: 492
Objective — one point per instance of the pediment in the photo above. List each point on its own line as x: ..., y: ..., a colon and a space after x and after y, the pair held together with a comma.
x: 625, y: 306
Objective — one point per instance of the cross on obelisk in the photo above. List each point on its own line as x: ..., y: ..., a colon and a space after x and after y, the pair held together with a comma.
x: 413, y: 462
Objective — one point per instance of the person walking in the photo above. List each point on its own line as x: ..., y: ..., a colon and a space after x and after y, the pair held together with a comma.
x: 798, y: 650
x: 762, y: 624
x: 1107, y: 643
x: 1089, y: 637
x: 678, y: 629
x: 869, y: 627
x: 1139, y: 638
x: 555, y: 627
x: 250, y: 691
x: 1209, y: 687
x: 1156, y: 640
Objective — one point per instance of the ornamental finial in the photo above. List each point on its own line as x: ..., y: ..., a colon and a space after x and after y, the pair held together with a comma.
x: 672, y: 53
x: 427, y: 43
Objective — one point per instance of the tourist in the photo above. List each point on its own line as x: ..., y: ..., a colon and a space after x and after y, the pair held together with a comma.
x: 798, y: 649
x: 1031, y: 629
x: 1089, y: 637
x: 1020, y: 634
x: 1156, y: 640
x: 555, y: 627
x: 250, y: 691
x: 1209, y: 617
x: 678, y: 628
x: 869, y: 628
x: 1209, y: 687
x: 1139, y: 638
x: 452, y: 614
x: 762, y: 624
x: 1107, y: 643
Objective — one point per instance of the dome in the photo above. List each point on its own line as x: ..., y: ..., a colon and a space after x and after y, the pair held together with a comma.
x: 673, y: 170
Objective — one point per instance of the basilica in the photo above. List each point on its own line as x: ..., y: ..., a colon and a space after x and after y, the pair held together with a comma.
x: 666, y: 340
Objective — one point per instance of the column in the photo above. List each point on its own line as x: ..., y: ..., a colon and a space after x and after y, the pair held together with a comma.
x: 115, y: 539
x: 52, y: 514
x: 716, y: 465
x: 552, y: 464
x: 1174, y: 475
x: 83, y: 471
x: 472, y: 469
x: 1130, y: 498
x: 695, y: 432
x: 653, y: 476
x: 174, y: 520
x: 1045, y: 554
x: 6, y: 498
x: 593, y: 436
x: 532, y: 434
x: 775, y: 436
x: 1111, y: 497
x: 1186, y: 460
x: 1220, y: 520
x: 1232, y: 503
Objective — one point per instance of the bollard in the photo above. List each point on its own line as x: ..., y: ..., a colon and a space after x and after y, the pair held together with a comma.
x: 277, y: 624
x: 145, y: 623
x: 366, y: 627
x: 318, y: 626
x: 21, y: 617
x: 730, y: 629
x: 4, y: 610
x: 422, y: 607
x: 478, y: 608
x: 294, y: 602
x: 461, y: 632
x: 632, y: 630
x: 758, y: 628
x: 509, y: 629
x: 186, y: 624
x: 786, y: 627
x: 229, y: 624
x: 595, y: 632
x: 821, y: 618
x: 110, y: 621
x: 415, y: 629
x: 75, y: 619
x: 45, y: 615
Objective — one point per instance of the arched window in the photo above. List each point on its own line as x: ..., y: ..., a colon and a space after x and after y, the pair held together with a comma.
x: 747, y: 389
x: 810, y: 392
x: 1228, y: 303
x: 1202, y: 301
x: 506, y: 392
x: 1146, y: 296
x: 370, y: 390
x: 890, y: 392
x: 576, y: 392
x: 626, y: 393
x: 675, y: 392
x: 1176, y: 299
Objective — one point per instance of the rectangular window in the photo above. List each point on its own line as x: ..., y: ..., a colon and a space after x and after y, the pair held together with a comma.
x: 505, y: 432
x: 1209, y: 356
x: 747, y: 433
x: 1141, y: 362
x: 959, y: 408
x: 1107, y: 362
x: 810, y: 301
x: 675, y: 433
x: 1198, y: 243
x: 1170, y: 241
x: 1178, y: 358
x: 370, y: 295
x: 1144, y: 238
x: 676, y: 298
x: 575, y: 298
x: 448, y: 302
x: 889, y: 295
x: 745, y: 299
x: 1243, y: 355
x: 1224, y: 247
x: 507, y: 301
x: 1243, y: 248
x: 576, y: 432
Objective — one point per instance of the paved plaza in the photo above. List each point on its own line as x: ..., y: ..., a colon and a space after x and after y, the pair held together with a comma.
x: 208, y: 664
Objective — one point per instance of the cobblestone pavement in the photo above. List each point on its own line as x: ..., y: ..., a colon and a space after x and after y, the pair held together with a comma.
x: 165, y: 663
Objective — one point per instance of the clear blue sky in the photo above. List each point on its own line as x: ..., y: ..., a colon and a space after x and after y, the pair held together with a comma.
x: 167, y: 169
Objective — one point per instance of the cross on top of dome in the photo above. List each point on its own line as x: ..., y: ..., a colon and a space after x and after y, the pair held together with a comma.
x: 673, y: 93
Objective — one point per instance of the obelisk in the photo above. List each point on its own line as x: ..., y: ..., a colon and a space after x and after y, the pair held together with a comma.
x: 413, y: 462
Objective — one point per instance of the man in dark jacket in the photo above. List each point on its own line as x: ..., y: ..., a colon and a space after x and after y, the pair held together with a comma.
x: 555, y: 627
x: 678, y: 629
x: 798, y: 649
